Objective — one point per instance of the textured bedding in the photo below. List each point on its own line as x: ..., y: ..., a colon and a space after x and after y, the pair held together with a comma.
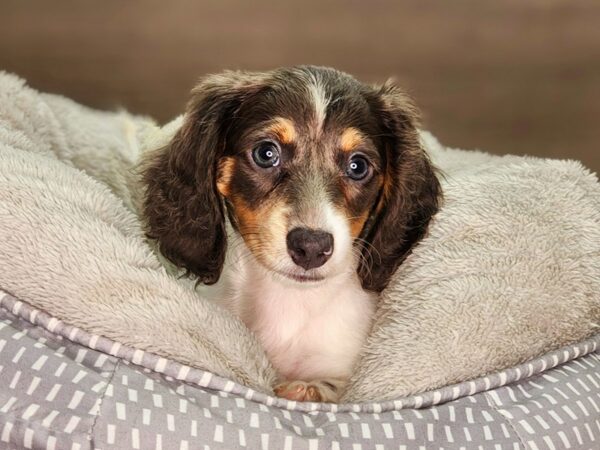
x: 64, y: 388
x: 487, y: 333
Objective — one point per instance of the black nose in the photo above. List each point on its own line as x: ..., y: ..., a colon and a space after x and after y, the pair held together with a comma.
x: 309, y: 248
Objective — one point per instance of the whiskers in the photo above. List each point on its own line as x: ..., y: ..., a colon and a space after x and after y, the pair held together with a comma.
x: 252, y: 247
x: 249, y: 247
x: 366, y: 253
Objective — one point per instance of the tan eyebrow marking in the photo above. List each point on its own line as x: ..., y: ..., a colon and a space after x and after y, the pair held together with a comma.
x: 284, y: 129
x: 350, y: 139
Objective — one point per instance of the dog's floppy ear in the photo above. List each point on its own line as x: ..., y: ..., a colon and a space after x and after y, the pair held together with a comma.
x: 182, y: 207
x: 410, y: 194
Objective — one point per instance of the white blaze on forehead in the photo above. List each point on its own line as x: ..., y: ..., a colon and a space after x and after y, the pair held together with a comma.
x: 319, y: 98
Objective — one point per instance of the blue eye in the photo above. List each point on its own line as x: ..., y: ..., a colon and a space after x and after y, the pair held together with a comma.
x: 266, y: 155
x: 358, y: 167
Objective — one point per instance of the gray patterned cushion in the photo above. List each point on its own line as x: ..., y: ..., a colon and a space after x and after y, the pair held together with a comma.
x: 63, y: 388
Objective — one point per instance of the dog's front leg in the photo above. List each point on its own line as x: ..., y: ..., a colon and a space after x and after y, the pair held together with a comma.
x: 327, y: 390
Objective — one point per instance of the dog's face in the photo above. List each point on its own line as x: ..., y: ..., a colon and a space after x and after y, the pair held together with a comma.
x: 319, y: 174
x: 300, y: 177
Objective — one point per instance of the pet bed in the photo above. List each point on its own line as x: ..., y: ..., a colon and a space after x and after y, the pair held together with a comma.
x: 487, y: 335
x: 64, y: 388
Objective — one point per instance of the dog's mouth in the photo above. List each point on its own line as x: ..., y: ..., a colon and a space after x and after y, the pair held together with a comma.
x: 300, y: 278
x: 297, y: 276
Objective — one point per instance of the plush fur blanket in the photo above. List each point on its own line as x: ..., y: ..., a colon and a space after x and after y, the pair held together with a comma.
x: 510, y: 268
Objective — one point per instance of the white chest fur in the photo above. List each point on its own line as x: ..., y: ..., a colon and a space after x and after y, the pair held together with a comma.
x: 309, y: 332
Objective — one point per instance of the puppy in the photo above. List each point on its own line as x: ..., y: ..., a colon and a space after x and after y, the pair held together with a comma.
x: 300, y: 190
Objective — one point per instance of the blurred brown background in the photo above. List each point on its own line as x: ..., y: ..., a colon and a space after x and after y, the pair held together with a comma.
x: 512, y: 76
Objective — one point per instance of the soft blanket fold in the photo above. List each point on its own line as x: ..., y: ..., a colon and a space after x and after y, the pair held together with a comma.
x: 510, y: 269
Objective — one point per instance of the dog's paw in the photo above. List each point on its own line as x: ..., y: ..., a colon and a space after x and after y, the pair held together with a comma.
x: 314, y: 391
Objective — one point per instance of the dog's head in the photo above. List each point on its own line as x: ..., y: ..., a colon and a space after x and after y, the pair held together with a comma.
x: 318, y: 173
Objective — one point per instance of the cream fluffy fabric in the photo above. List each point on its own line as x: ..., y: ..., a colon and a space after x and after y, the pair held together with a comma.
x: 71, y: 245
x: 510, y: 269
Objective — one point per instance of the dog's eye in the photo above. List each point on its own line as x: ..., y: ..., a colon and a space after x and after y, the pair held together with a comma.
x: 358, y: 167
x: 266, y: 155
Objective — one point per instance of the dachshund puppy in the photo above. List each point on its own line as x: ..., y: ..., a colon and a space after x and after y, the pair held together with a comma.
x: 300, y: 190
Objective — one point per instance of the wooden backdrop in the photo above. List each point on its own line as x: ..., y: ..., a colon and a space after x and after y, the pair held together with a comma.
x: 518, y: 76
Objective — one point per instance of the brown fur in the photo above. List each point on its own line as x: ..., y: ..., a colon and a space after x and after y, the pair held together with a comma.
x: 182, y: 205
x: 411, y: 191
x: 258, y: 225
x: 204, y: 164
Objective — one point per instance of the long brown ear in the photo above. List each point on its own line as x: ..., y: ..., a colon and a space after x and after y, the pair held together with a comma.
x: 410, y: 194
x: 182, y: 207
